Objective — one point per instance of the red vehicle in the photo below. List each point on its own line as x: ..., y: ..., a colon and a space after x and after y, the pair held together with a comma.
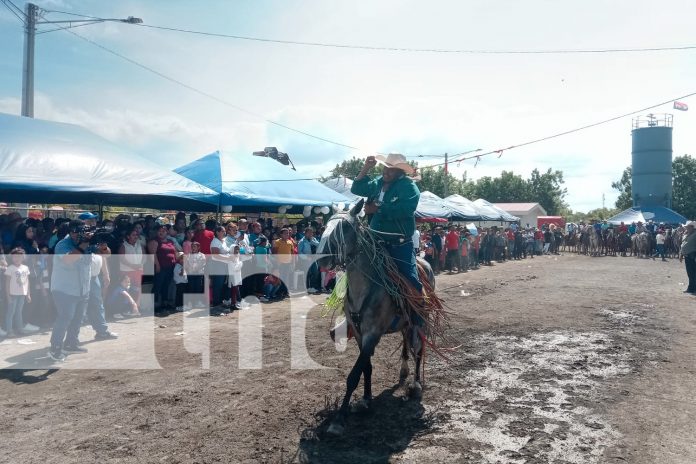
x: 546, y: 220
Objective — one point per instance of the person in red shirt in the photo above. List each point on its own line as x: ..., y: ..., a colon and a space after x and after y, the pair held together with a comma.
x: 452, y: 245
x: 203, y: 236
x: 510, y: 236
x: 623, y: 228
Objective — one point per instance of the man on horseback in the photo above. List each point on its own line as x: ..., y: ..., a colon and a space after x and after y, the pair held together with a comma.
x: 392, y: 199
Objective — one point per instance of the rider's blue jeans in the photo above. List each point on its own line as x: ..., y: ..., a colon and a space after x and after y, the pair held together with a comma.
x: 405, y: 260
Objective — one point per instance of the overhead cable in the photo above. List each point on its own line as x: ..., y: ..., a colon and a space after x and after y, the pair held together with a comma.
x: 500, y: 151
x: 209, y: 95
x: 407, y: 49
x: 15, y: 10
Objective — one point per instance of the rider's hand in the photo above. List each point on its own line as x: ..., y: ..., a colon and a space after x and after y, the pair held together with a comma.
x: 370, y: 162
x: 370, y: 208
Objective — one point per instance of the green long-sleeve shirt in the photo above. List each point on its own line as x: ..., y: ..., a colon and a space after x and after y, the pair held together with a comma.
x: 396, y: 215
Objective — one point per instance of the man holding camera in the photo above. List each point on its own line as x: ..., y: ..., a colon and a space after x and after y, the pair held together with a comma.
x: 70, y: 285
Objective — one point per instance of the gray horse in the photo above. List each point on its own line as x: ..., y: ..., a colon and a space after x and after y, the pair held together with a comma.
x: 369, y: 310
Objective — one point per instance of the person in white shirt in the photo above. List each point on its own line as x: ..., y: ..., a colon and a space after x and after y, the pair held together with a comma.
x: 194, y: 264
x: 660, y: 244
x: 181, y: 282
x: 220, y: 257
x: 235, y: 278
x: 99, y: 281
x: 415, y: 238
x: 17, y: 291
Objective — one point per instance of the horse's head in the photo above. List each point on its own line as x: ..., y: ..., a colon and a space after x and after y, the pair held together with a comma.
x: 339, y: 240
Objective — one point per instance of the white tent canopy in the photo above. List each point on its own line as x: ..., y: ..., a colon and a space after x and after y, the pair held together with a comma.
x: 51, y: 162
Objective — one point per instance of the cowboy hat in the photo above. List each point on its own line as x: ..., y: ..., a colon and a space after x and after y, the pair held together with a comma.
x: 690, y: 224
x: 397, y: 161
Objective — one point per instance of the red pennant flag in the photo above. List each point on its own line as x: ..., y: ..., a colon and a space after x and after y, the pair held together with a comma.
x: 681, y: 106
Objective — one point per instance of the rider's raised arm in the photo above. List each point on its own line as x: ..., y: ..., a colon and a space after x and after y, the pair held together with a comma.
x: 365, y: 187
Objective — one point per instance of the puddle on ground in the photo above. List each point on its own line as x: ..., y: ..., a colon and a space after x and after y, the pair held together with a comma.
x: 529, y: 397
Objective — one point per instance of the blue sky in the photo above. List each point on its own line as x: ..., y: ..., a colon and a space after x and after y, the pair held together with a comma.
x: 414, y: 103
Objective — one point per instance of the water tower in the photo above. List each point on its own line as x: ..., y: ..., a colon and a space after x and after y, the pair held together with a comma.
x: 651, y: 154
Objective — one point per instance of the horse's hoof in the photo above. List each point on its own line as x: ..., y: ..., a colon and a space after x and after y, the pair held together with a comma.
x: 335, y: 429
x: 415, y: 391
x: 360, y: 406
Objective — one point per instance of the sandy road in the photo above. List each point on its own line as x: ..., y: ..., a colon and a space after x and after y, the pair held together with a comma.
x: 569, y: 359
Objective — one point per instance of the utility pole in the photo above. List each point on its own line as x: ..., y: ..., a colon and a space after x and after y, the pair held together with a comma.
x: 446, y: 178
x: 31, y: 20
x: 31, y: 11
x: 603, y: 201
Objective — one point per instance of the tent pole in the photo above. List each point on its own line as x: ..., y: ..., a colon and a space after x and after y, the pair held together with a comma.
x: 101, y: 211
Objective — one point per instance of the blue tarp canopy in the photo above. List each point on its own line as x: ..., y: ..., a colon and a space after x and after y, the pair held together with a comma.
x: 489, y: 209
x: 644, y: 214
x: 255, y: 183
x: 51, y: 162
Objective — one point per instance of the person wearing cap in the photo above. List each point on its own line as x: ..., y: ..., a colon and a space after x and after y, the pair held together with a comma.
x: 70, y: 286
x: 392, y: 199
x: 89, y: 219
x: 688, y: 254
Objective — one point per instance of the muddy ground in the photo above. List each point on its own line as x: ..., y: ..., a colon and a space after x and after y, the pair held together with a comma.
x: 565, y: 359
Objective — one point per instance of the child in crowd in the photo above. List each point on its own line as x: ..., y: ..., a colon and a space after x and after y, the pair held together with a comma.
x: 188, y: 240
x: 181, y: 282
x: 194, y: 265
x: 429, y: 248
x: 171, y: 237
x: 120, y: 303
x: 42, y: 282
x: 243, y: 242
x: 271, y: 285
x: 17, y: 291
x: 3, y: 297
x: 235, y: 278
x: 328, y: 280
x: 464, y: 252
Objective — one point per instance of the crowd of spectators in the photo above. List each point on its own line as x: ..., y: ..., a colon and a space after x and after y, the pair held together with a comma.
x: 99, y: 268
x: 456, y: 248
x: 82, y: 283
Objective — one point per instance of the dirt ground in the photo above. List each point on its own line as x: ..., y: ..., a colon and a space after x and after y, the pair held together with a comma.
x: 565, y: 359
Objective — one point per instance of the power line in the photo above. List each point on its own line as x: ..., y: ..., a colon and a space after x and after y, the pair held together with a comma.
x: 9, y: 5
x: 406, y: 49
x: 424, y: 50
x: 44, y: 31
x: 208, y: 95
x: 500, y: 151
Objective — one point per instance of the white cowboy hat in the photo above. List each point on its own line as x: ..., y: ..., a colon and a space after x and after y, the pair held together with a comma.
x: 397, y: 161
x: 690, y: 224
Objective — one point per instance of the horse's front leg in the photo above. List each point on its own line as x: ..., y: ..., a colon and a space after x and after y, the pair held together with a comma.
x: 403, y: 373
x: 364, y: 404
x: 416, y: 388
x: 338, y: 424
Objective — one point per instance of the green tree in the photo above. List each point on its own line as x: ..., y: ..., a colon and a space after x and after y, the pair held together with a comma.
x: 684, y: 186
x: 547, y: 189
x: 351, y: 168
x: 507, y: 188
x: 623, y: 185
x: 601, y: 213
